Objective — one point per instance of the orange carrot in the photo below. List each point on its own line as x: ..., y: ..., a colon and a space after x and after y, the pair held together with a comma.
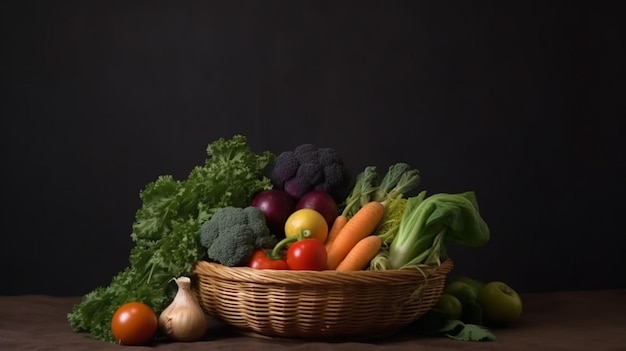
x: 359, y: 226
x: 339, y: 222
x: 361, y: 254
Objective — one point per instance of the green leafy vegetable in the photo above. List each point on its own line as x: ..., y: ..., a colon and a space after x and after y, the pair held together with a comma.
x: 399, y: 180
x: 435, y: 323
x: 458, y: 330
x: 362, y: 190
x: 471, y: 332
x: 165, y: 231
x: 426, y: 224
x: 390, y: 223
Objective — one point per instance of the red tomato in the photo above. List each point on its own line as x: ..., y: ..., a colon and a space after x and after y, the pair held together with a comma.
x: 260, y: 260
x: 307, y: 254
x: 134, y: 323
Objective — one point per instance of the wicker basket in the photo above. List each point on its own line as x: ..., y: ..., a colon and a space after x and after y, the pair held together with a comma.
x: 318, y: 305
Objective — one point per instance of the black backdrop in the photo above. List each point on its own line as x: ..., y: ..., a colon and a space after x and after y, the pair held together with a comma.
x: 523, y: 103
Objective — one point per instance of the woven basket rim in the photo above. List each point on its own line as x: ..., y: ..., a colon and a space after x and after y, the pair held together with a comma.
x: 326, y: 277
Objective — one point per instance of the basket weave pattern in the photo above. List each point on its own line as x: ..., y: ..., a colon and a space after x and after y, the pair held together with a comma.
x: 325, y: 305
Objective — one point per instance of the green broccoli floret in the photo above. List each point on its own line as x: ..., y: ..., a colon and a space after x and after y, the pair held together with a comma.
x: 309, y: 167
x: 232, y: 235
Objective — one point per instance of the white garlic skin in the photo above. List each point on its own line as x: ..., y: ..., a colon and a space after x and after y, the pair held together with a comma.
x: 184, y: 319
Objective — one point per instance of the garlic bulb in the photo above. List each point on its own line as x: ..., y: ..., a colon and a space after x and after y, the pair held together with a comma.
x: 184, y: 319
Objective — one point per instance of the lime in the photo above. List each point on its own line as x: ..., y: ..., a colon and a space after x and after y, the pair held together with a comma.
x: 449, y: 305
x: 474, y: 283
x: 462, y: 291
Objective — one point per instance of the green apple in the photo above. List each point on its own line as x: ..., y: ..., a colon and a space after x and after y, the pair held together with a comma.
x: 449, y: 305
x: 501, y: 304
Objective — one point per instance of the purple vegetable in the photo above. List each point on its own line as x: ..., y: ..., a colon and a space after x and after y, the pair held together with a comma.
x: 321, y: 202
x: 277, y: 206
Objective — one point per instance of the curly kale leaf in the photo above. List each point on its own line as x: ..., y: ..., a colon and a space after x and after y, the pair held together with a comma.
x: 165, y: 231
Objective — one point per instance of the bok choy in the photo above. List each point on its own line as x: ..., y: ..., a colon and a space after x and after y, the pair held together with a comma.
x: 426, y: 224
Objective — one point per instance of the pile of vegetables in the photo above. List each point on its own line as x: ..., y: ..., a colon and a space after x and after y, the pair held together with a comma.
x: 297, y: 211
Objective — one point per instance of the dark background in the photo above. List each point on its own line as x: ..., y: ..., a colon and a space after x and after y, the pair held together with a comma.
x: 523, y: 102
